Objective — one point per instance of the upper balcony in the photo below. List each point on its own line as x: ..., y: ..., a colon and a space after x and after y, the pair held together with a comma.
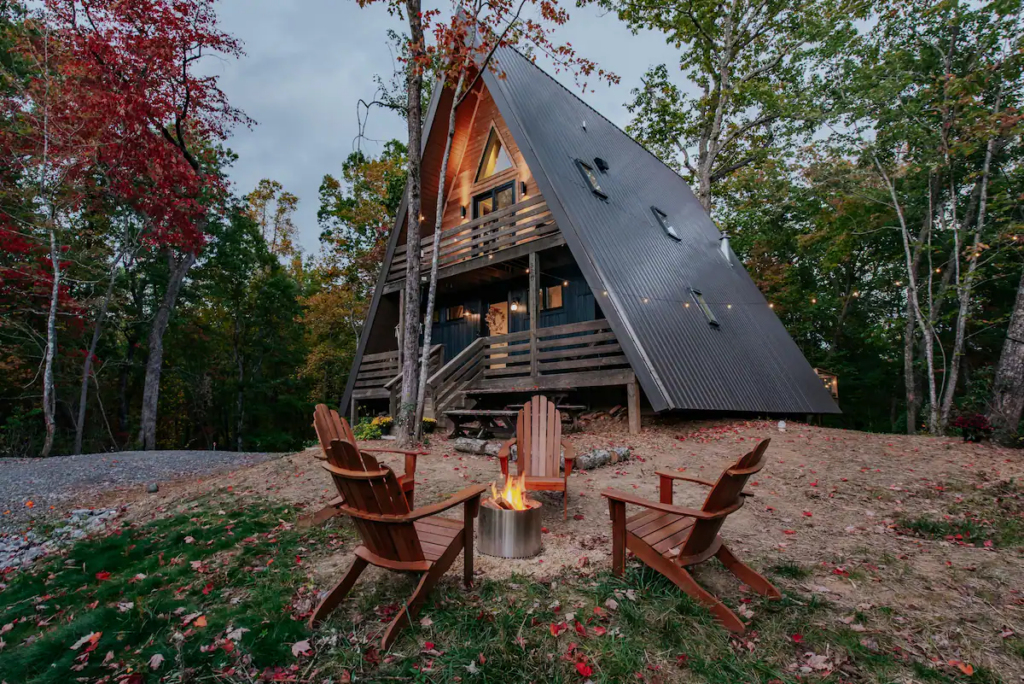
x: 509, y: 233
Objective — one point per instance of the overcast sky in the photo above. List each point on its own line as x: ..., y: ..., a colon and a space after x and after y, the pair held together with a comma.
x: 308, y: 63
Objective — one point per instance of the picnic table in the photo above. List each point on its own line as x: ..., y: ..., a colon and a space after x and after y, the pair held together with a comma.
x: 570, y: 414
x: 488, y: 422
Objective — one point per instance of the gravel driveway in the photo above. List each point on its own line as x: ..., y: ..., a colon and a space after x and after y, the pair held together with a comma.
x: 51, y: 481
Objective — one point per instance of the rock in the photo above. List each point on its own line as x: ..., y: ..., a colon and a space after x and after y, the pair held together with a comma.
x: 468, y: 445
x: 153, y: 488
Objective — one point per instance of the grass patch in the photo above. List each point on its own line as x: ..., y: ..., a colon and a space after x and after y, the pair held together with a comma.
x: 171, y: 589
x: 793, y: 571
x: 994, y: 515
x: 221, y: 593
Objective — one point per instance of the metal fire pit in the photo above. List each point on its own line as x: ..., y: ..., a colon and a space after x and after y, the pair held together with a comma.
x: 510, y: 534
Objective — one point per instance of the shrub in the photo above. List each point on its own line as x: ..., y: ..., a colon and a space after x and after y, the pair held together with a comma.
x: 366, y: 430
x: 973, y: 427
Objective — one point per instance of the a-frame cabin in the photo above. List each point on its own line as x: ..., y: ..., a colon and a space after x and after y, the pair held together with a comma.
x: 573, y: 260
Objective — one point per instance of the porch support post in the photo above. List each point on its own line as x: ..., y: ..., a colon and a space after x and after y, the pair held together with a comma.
x: 633, y: 406
x: 401, y: 325
x: 534, y: 305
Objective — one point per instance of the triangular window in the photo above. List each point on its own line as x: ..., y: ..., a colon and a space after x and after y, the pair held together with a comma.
x: 495, y: 159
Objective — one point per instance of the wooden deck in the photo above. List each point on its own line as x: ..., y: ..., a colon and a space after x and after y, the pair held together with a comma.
x: 556, y: 358
x: 561, y: 357
x: 504, y: 234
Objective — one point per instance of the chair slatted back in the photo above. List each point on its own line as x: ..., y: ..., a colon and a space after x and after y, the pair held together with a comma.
x: 726, y: 493
x: 377, y: 492
x: 538, y: 438
x: 330, y: 426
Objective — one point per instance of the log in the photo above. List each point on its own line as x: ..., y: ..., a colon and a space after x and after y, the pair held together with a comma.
x: 585, y: 461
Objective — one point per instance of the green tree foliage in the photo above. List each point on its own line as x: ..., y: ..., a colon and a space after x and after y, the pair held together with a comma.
x: 750, y: 84
x: 355, y: 219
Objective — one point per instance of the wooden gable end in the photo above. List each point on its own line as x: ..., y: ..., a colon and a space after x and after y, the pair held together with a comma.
x: 475, y: 118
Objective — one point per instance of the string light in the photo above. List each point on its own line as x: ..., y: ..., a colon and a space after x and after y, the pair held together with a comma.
x: 646, y: 300
x: 605, y: 293
x: 938, y: 270
x: 771, y: 305
x: 527, y: 270
x: 814, y: 300
x: 898, y: 283
x: 686, y: 305
x: 728, y: 306
x: 856, y: 293
x: 565, y: 283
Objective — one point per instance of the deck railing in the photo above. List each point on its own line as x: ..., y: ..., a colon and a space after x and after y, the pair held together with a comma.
x: 562, y: 349
x: 576, y: 347
x: 515, y: 225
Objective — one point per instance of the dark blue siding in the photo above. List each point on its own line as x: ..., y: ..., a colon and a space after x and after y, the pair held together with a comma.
x: 577, y: 307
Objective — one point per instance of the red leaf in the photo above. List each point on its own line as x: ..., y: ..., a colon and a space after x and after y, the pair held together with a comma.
x: 797, y: 638
x: 578, y: 516
x: 682, y: 659
x: 580, y: 629
x: 584, y: 669
x: 558, y: 628
x: 103, y: 576
x: 207, y: 589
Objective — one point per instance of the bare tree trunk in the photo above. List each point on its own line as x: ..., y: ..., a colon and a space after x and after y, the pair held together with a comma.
x: 926, y: 330
x: 1008, y: 389
x: 87, y: 367
x: 421, y: 398
x: 179, y: 267
x: 411, y: 333
x: 909, y: 377
x: 49, y: 393
x: 240, y: 399
x: 966, y: 287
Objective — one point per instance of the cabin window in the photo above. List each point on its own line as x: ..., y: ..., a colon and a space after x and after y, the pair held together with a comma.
x: 590, y: 176
x: 551, y: 297
x: 453, y: 313
x: 663, y: 221
x: 703, y: 306
x: 494, y: 199
x: 495, y: 159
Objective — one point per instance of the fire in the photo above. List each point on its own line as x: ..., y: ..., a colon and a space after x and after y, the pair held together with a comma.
x: 513, y: 496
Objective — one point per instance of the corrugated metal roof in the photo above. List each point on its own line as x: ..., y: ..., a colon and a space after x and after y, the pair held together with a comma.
x: 748, y: 362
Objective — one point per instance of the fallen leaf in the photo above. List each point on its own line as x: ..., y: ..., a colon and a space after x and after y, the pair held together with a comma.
x: 92, y: 638
x: 301, y: 648
x: 236, y: 634
x: 156, y: 661
x: 425, y: 621
x: 584, y: 669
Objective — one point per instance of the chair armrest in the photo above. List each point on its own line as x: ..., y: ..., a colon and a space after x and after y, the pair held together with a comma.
x: 624, y: 497
x: 684, y: 478
x: 466, y: 495
x: 396, y: 451
x: 696, y: 480
x: 503, y: 455
x: 570, y: 457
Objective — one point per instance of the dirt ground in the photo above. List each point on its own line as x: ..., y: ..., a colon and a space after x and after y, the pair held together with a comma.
x: 828, y: 500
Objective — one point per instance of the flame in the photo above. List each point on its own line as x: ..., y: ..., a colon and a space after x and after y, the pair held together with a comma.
x: 514, y: 493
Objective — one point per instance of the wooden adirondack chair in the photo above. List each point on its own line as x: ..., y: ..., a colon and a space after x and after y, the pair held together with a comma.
x: 330, y: 426
x: 671, y: 538
x: 393, y: 536
x: 539, y: 443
